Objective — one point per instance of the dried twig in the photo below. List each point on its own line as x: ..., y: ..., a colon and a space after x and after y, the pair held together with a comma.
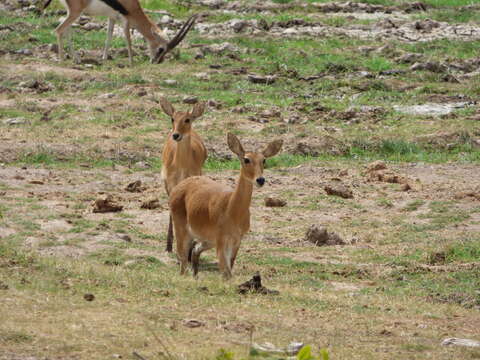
x: 138, y: 356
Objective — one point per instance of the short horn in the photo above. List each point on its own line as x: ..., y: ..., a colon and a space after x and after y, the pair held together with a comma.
x: 177, y: 38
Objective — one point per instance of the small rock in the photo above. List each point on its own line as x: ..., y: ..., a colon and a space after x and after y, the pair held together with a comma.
x: 214, y: 4
x: 376, y: 165
x: 192, y: 323
x: 218, y: 49
x: 274, y: 202
x: 142, y: 165
x: 319, y: 236
x: 214, y: 104
x: 165, y: 19
x: 15, y: 121
x: 338, y: 190
x: 202, y: 76
x: 450, y: 79
x: 53, y: 48
x: 135, y: 187
x: 89, y: 297
x: 106, y: 96
x: 405, y: 187
x: 190, y: 100
x: 199, y: 55
x: 426, y: 25
x: 409, y: 58
x: 170, y: 82
x: 259, y: 79
x: 461, y: 342
x: 150, y: 204
x: 106, y: 204
x: 36, y: 182
x: 25, y: 52
x: 237, y: 24
x: 291, y: 31
x: 293, y: 119
x: 273, y: 113
x: 92, y: 26
x: 254, y: 285
x: 125, y: 237
x: 432, y: 66
x: 142, y: 93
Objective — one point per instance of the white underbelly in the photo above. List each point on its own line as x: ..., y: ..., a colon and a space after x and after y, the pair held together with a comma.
x: 97, y: 8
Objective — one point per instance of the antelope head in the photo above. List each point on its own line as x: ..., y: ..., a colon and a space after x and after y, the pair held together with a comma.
x: 181, y: 121
x: 253, y: 163
x: 163, y: 47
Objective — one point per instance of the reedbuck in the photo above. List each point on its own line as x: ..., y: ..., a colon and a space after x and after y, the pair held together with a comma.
x: 213, y: 214
x: 132, y: 15
x: 184, y: 152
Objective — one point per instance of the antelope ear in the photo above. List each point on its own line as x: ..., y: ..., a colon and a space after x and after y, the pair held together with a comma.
x: 198, y: 110
x: 235, y: 145
x: 273, y: 148
x: 167, y: 107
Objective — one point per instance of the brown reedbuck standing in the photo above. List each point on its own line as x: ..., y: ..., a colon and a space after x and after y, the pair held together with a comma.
x: 184, y: 152
x: 213, y: 214
x: 132, y: 15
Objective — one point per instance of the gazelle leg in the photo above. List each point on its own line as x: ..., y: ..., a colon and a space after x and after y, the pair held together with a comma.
x: 126, y: 31
x: 184, y: 240
x: 62, y: 28
x: 234, y: 255
x: 111, y: 25
x: 224, y: 261
x: 197, y: 250
x: 170, y: 236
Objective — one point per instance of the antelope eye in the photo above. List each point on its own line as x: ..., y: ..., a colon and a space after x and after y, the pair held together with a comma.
x: 264, y: 162
x: 187, y: 121
x: 246, y: 160
x: 173, y: 120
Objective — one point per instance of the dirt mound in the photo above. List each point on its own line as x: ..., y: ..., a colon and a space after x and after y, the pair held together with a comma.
x: 338, y: 190
x: 319, y: 236
x: 106, y: 204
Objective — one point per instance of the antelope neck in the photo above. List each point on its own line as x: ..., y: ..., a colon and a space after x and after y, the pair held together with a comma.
x: 183, y: 153
x: 241, y: 198
x: 143, y: 24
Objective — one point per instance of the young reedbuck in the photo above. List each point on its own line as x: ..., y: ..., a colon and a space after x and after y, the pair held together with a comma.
x: 132, y: 15
x: 213, y: 214
x: 184, y: 152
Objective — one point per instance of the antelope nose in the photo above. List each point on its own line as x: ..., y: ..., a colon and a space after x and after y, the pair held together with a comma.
x: 261, y: 181
x: 176, y: 136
